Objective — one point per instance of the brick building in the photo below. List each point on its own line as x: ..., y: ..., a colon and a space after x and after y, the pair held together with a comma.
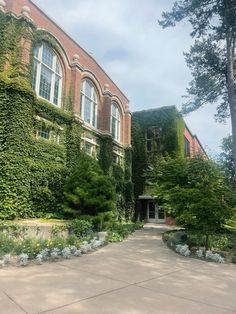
x: 55, y: 100
x: 96, y: 100
x: 157, y: 132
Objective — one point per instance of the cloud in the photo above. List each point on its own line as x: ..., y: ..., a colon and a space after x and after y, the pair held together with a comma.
x: 145, y: 61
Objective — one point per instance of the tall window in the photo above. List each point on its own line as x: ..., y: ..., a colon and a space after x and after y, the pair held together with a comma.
x: 89, y: 101
x: 187, y: 152
x: 115, y: 122
x: 47, y: 74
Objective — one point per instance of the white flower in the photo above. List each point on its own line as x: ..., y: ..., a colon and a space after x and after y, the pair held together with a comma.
x: 39, y: 258
x: 45, y: 254
x: 183, y: 249
x: 55, y: 253
x: 200, y: 253
x: 66, y: 253
x: 7, y: 259
x: 23, y: 259
x: 214, y: 257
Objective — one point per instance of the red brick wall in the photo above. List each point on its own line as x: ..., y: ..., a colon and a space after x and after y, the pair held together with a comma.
x: 73, y: 75
x: 195, y: 145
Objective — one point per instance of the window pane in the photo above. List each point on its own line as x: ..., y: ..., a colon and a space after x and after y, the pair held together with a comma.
x: 88, y: 148
x: 45, y: 83
x: 56, y: 89
x: 35, y: 65
x: 47, y: 56
x: 44, y: 133
x: 94, y: 114
x: 36, y: 52
x: 113, y: 128
x: 88, y: 89
x: 87, y: 110
x: 58, y: 68
x: 113, y: 111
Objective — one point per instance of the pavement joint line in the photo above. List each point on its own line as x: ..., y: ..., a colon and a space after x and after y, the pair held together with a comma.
x: 85, y: 299
x: 125, y: 282
x: 157, y: 277
x: 100, y: 275
x: 13, y: 301
x: 188, y: 299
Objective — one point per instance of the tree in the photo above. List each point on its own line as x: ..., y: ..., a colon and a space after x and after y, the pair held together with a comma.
x: 212, y: 57
x: 227, y: 158
x: 193, y: 191
x: 87, y: 190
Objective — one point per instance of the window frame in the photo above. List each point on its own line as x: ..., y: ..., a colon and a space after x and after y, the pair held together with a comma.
x: 117, y: 118
x: 38, y: 60
x: 93, y: 99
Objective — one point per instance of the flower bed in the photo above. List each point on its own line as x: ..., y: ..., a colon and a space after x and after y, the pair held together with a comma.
x: 17, y: 248
x: 223, y: 246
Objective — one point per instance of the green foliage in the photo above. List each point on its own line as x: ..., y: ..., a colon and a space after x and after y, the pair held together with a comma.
x: 105, y: 158
x: 88, y: 190
x: 170, y: 140
x: 193, y: 191
x: 227, y: 158
x: 212, y: 56
x: 33, y: 171
x: 118, y: 232
x: 80, y: 228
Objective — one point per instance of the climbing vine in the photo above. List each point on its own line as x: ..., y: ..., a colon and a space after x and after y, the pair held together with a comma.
x: 33, y: 169
x: 169, y: 140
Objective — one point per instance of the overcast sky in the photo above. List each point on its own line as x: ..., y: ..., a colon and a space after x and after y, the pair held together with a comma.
x: 145, y: 61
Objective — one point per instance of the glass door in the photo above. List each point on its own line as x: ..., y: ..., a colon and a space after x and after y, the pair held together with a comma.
x: 151, y: 211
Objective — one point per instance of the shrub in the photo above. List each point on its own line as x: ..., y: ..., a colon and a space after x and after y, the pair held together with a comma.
x: 87, y: 190
x: 81, y: 228
x: 234, y: 258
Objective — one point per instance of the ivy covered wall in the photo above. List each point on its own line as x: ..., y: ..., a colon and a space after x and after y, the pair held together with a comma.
x: 169, y: 126
x: 33, y: 170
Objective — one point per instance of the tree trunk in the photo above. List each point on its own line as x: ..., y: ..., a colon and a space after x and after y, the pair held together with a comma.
x: 207, y: 242
x: 230, y: 46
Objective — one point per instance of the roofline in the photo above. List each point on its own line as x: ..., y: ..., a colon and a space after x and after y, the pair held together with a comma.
x: 74, y: 41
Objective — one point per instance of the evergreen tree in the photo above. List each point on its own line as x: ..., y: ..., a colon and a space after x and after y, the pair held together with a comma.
x: 87, y: 190
x: 212, y: 57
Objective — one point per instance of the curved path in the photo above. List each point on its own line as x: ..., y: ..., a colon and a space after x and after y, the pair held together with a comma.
x: 139, y: 275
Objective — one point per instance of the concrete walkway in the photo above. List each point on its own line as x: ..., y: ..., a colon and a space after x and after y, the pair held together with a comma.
x: 137, y: 276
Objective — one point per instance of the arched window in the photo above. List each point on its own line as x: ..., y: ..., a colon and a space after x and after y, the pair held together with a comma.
x: 115, y: 121
x: 47, y: 74
x: 89, y: 102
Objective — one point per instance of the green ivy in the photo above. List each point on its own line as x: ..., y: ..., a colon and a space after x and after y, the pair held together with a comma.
x: 33, y: 170
x: 105, y: 157
x: 171, y: 140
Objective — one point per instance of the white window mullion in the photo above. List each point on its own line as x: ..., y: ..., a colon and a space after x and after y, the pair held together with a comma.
x: 53, y: 79
x: 60, y: 92
x: 38, y: 76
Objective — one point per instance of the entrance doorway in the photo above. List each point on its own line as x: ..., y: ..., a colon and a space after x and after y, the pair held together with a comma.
x: 155, y: 214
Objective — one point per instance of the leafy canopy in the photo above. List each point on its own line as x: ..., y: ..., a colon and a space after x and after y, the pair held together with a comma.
x: 227, y: 158
x: 193, y: 191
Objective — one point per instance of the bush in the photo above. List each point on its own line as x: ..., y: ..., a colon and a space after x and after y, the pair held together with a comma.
x: 234, y: 258
x: 81, y: 228
x: 87, y: 190
x: 121, y: 231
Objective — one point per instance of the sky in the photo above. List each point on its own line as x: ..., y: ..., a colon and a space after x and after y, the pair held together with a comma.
x: 145, y: 61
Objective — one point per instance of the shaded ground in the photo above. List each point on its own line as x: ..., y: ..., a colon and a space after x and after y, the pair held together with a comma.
x: 139, y: 275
